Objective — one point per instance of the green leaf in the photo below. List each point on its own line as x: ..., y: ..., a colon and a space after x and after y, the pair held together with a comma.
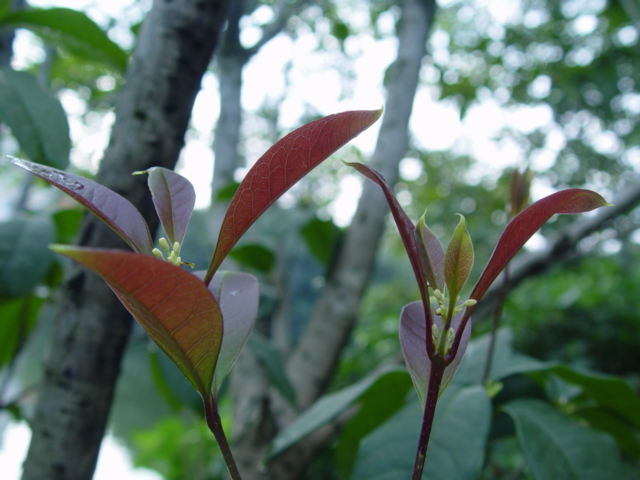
x: 174, y: 306
x: 325, y: 410
x: 604, y: 420
x: 73, y: 31
x: 555, y: 447
x: 36, y: 118
x: 269, y: 356
x: 458, y: 260
x: 254, y: 256
x: 17, y: 319
x: 320, y: 236
x: 24, y: 254
x: 457, y: 446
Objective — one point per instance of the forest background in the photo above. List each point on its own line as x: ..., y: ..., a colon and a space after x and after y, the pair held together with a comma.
x: 551, y: 86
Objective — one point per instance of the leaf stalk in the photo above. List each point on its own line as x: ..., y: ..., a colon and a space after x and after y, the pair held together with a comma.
x: 215, y: 425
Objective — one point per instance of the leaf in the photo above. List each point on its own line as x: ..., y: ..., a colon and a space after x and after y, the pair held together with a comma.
x: 238, y: 295
x: 431, y: 254
x: 457, y: 445
x: 404, y: 224
x: 528, y: 222
x: 286, y: 162
x: 602, y: 419
x: 269, y: 356
x: 24, y: 254
x: 18, y: 317
x: 174, y: 198
x: 110, y: 207
x: 458, y: 260
x: 36, y: 118
x: 555, y: 447
x: 254, y: 256
x: 320, y: 236
x: 73, y: 31
x: 414, y: 350
x: 325, y: 410
x: 175, y: 308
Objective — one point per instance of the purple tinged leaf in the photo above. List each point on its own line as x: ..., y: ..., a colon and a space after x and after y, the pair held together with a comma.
x: 458, y: 260
x: 238, y: 295
x: 175, y: 308
x: 413, y: 340
x: 112, y: 208
x: 431, y: 254
x: 174, y: 198
x: 528, y: 222
x: 286, y: 162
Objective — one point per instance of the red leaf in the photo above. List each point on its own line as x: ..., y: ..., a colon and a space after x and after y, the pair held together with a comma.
x: 528, y: 222
x: 112, y: 208
x: 281, y: 167
x: 174, y: 199
x: 431, y: 255
x: 174, y: 306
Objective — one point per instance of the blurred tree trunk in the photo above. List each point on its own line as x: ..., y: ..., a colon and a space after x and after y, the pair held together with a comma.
x: 313, y: 362
x: 175, y: 46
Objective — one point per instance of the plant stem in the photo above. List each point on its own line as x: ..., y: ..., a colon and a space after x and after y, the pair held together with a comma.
x: 215, y: 425
x: 435, y: 379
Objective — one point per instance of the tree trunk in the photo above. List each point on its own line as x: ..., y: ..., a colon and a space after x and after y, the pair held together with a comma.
x: 175, y: 46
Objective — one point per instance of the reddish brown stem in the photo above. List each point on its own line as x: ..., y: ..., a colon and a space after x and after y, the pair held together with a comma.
x: 215, y: 425
x: 435, y: 379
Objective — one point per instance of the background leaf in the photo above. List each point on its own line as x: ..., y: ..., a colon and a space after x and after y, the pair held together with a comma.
x: 254, y: 256
x: 36, y: 118
x: 17, y: 318
x: 271, y: 359
x: 528, y: 222
x: 112, y: 208
x: 457, y: 446
x: 321, y: 236
x: 174, y: 198
x: 73, y: 31
x: 286, y: 162
x: 171, y: 304
x: 555, y: 447
x: 24, y: 254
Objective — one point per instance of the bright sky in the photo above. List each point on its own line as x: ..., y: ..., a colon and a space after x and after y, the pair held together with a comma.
x: 436, y: 125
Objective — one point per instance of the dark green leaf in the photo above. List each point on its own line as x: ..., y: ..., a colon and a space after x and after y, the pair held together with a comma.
x: 254, y: 256
x: 17, y: 319
x: 269, y: 356
x: 36, y: 118
x: 73, y: 31
x: 457, y: 446
x: 602, y: 419
x: 555, y: 447
x: 24, y: 254
x: 320, y: 236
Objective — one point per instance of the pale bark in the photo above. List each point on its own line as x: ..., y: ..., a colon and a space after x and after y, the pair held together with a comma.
x: 175, y: 47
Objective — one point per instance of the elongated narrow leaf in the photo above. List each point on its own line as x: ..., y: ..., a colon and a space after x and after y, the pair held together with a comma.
x: 174, y: 198
x: 528, y: 222
x: 326, y: 409
x: 286, y: 162
x: 431, y: 254
x: 458, y: 260
x: 403, y: 222
x: 36, y: 118
x: 413, y: 344
x: 238, y: 295
x: 555, y: 447
x: 24, y: 254
x: 175, y: 308
x: 112, y: 208
x: 73, y: 31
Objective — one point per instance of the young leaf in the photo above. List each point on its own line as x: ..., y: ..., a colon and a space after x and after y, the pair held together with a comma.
x: 431, y: 255
x: 238, y: 295
x: 528, y: 222
x: 174, y: 198
x: 413, y: 344
x: 113, y: 209
x: 175, y: 308
x: 286, y: 162
x: 403, y: 222
x: 36, y: 118
x: 72, y: 30
x: 458, y: 260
